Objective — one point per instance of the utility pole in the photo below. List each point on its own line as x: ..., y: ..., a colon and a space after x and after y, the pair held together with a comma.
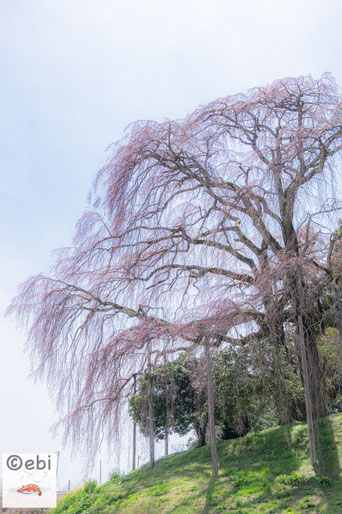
x: 57, y: 464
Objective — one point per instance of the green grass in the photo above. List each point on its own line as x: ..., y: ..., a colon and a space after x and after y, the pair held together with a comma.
x: 266, y: 472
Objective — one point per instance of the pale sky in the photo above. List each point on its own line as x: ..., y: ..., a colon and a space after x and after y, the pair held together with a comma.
x: 74, y: 73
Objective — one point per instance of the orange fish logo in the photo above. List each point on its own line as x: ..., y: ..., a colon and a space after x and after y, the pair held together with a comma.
x: 30, y: 488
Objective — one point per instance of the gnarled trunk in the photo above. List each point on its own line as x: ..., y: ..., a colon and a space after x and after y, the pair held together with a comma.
x: 315, y: 373
x: 313, y: 378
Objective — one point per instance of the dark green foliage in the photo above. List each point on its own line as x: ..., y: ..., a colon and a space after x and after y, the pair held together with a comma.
x: 178, y: 395
x: 255, y: 387
x: 330, y: 350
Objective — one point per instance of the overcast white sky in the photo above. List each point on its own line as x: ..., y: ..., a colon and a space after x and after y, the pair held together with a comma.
x: 74, y: 73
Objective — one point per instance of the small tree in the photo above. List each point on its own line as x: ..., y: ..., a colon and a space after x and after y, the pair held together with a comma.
x: 179, y: 399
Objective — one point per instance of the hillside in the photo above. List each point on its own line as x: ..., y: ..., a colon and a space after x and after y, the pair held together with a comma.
x: 251, y: 478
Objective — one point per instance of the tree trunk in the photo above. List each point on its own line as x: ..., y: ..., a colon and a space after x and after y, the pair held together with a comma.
x: 307, y: 392
x: 212, y: 430
x: 315, y: 374
x: 166, y: 442
x: 134, y: 428
x: 150, y: 406
x: 313, y: 377
x: 200, y: 430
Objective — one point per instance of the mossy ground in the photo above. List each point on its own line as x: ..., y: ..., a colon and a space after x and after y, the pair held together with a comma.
x: 248, y: 478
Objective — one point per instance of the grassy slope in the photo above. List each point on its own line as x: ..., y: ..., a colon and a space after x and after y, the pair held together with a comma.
x: 181, y: 483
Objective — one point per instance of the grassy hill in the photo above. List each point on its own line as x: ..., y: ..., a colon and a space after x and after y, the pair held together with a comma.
x: 265, y: 472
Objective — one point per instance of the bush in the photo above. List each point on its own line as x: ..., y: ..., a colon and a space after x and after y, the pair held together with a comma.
x: 89, y: 487
x: 114, y: 474
x: 293, y: 479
